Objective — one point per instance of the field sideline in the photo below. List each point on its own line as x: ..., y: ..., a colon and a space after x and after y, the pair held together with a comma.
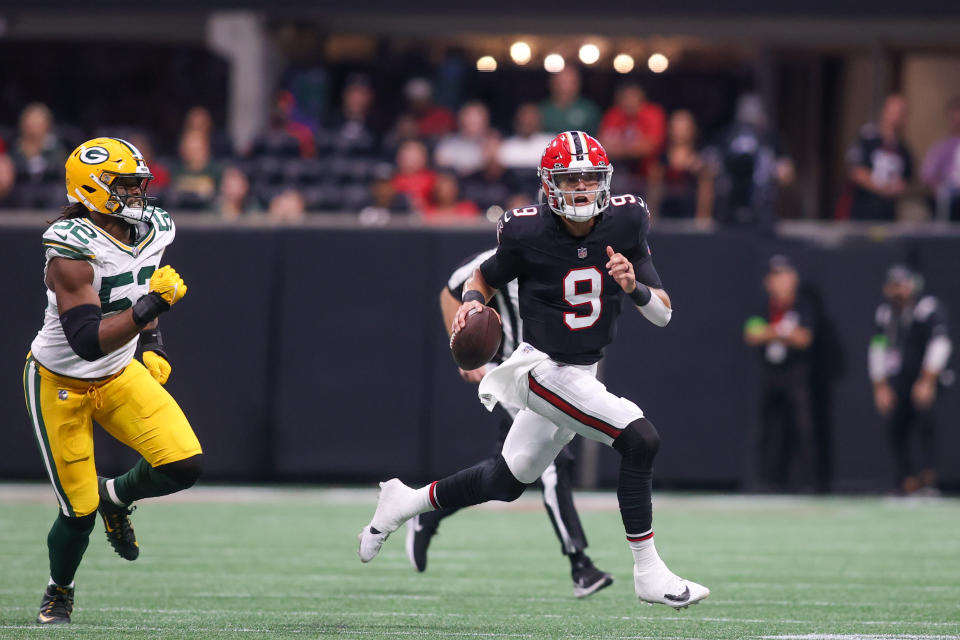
x: 252, y: 562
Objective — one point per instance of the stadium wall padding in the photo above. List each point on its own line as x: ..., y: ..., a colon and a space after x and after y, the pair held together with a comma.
x: 305, y: 354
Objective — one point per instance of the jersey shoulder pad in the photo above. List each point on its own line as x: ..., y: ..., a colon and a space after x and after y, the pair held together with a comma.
x: 71, y: 239
x: 163, y: 225
x: 926, y: 307
x: 520, y: 223
x: 633, y: 207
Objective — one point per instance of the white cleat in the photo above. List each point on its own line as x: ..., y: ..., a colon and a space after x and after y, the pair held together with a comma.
x: 393, y: 507
x: 666, y: 588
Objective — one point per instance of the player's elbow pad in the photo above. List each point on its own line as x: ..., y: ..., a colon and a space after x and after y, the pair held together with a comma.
x: 656, y: 312
x: 81, y: 326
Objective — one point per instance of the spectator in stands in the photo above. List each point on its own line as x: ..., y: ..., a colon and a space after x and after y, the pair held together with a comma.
x: 880, y: 164
x: 784, y: 335
x: 234, y: 200
x: 198, y: 118
x: 37, y: 151
x: 354, y: 130
x: 193, y: 185
x: 680, y: 182
x: 566, y: 109
x: 906, y: 357
x: 404, y: 128
x: 445, y: 202
x: 285, y: 136
x: 633, y: 131
x: 432, y: 120
x: 386, y: 201
x: 463, y: 151
x: 161, y: 174
x: 413, y: 177
x: 8, y: 176
x: 287, y: 206
x: 523, y: 149
x: 941, y: 167
x: 492, y: 185
x: 749, y: 168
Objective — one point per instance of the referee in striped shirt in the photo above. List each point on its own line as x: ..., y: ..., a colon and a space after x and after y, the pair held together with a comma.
x: 557, y: 493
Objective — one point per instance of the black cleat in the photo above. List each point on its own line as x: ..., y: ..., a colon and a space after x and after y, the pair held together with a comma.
x: 56, y: 606
x: 117, y: 522
x: 587, y: 579
x: 420, y: 530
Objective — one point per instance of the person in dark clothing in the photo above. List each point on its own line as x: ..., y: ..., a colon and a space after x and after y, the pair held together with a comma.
x: 786, y: 424
x: 880, y: 164
x: 557, y: 479
x: 906, y: 357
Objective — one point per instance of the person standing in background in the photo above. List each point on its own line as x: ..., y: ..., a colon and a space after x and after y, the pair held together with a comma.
x: 566, y: 109
x: 906, y: 357
x: 786, y: 422
x: 880, y: 163
x: 635, y: 131
x: 941, y: 167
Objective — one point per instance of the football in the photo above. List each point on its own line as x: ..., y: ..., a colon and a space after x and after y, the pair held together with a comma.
x: 478, y: 341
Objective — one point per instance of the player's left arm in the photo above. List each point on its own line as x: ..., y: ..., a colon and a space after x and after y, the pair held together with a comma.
x: 935, y: 357
x: 644, y: 288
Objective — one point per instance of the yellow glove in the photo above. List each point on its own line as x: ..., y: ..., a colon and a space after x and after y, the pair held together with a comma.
x: 157, y: 365
x: 168, y: 284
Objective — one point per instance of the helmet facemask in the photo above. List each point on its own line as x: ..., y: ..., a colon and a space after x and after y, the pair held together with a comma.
x: 577, y: 193
x: 128, y: 194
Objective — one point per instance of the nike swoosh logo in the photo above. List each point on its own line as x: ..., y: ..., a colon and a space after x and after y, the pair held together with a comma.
x: 683, y: 597
x: 506, y: 217
x: 60, y: 235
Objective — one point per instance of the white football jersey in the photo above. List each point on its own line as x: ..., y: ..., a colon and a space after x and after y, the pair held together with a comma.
x: 121, y: 274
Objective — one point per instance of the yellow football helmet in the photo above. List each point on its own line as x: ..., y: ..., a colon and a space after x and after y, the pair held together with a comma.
x: 109, y: 175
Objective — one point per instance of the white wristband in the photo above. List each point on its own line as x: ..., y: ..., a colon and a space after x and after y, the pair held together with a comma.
x: 656, y: 312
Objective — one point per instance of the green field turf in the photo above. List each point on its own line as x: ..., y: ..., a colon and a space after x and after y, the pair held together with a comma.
x: 262, y: 563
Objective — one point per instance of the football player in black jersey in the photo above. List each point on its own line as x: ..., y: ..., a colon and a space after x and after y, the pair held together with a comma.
x: 907, y: 355
x: 572, y: 256
x: 556, y: 478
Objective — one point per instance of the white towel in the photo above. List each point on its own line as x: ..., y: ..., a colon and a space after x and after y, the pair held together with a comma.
x: 508, y: 382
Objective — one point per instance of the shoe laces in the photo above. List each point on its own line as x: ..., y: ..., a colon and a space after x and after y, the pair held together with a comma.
x: 120, y: 520
x: 60, y: 604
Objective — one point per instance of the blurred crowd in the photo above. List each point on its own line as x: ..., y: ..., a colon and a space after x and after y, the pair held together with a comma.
x: 430, y: 161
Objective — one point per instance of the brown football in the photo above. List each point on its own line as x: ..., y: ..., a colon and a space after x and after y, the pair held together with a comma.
x: 478, y: 341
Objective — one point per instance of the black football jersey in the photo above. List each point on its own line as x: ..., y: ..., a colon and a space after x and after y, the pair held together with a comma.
x: 568, y: 302
x: 906, y: 336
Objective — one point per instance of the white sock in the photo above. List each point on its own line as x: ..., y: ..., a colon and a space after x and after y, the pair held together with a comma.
x: 646, y: 558
x: 112, y: 492
x: 423, y: 503
x: 51, y: 582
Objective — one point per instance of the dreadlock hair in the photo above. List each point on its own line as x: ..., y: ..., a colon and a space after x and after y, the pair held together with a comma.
x: 71, y: 211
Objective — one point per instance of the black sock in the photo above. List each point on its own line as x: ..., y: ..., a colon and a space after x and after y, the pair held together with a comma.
x: 144, y: 481
x: 634, y: 496
x: 66, y: 542
x: 578, y: 558
x: 489, y: 480
x: 638, y: 443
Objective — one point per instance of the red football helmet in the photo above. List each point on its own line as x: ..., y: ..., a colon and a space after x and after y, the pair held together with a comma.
x: 575, y: 172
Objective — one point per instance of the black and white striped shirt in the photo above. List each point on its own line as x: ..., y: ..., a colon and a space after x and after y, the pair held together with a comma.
x: 506, y: 302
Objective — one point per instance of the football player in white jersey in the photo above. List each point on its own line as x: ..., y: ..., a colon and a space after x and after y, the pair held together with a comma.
x: 105, y: 290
